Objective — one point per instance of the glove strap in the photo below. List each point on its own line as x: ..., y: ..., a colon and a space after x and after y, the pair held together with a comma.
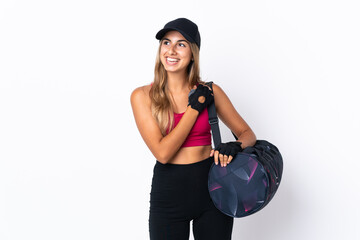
x: 214, y: 121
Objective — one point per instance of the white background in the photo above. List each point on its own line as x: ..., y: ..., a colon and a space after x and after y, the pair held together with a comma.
x: 72, y: 162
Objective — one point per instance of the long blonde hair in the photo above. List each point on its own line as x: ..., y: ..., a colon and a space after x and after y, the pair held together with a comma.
x: 161, y: 103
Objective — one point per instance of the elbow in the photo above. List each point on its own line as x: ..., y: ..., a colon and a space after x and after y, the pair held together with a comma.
x: 248, y: 138
x: 253, y: 138
x: 163, y: 153
x: 163, y: 157
x: 163, y: 161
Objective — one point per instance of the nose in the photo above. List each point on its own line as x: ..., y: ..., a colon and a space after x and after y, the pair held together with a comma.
x: 172, y: 50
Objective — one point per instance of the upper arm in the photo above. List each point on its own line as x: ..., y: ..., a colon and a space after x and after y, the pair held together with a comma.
x: 147, y: 125
x: 227, y: 113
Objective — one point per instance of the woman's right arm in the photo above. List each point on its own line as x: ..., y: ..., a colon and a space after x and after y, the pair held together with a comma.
x: 162, y: 147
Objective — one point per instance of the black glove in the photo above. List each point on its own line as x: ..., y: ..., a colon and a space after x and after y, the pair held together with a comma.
x: 194, y: 96
x: 229, y: 148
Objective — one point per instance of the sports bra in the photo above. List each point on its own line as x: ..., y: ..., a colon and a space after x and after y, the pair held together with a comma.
x: 200, y: 133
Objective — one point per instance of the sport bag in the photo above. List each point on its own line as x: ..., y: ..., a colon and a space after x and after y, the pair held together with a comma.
x: 249, y: 181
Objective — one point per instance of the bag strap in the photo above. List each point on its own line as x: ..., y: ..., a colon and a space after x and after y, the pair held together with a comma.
x: 214, y: 121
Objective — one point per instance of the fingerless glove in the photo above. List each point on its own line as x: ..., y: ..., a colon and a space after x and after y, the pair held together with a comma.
x: 196, y: 94
x: 229, y: 148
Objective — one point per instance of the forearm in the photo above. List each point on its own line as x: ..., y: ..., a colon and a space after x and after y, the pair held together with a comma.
x: 172, y: 142
x: 247, y: 138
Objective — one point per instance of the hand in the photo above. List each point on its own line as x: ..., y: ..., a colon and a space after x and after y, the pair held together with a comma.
x: 225, y: 152
x: 200, y: 97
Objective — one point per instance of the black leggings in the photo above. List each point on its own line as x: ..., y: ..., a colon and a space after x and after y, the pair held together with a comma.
x: 179, y: 194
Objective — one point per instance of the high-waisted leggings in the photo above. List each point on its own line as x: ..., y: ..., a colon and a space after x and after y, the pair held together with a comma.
x: 179, y: 194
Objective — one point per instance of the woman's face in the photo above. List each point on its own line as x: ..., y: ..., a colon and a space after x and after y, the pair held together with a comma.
x: 175, y: 52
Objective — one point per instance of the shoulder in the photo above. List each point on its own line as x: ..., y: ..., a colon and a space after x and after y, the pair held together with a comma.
x: 217, y: 90
x: 140, y: 94
x: 221, y: 99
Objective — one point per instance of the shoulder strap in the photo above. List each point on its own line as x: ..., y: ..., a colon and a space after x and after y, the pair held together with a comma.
x: 213, y: 121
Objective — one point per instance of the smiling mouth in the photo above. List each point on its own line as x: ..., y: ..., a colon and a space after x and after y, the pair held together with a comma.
x: 172, y: 60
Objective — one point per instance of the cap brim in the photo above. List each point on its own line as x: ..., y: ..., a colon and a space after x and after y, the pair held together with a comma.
x: 163, y: 31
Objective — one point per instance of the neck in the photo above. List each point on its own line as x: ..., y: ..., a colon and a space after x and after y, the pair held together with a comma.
x: 177, y: 82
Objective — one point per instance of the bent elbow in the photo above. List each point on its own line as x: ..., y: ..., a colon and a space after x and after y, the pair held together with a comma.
x: 253, y: 142
x: 162, y: 159
x: 163, y: 154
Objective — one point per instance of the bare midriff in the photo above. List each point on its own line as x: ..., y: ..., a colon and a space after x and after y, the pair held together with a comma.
x: 187, y: 155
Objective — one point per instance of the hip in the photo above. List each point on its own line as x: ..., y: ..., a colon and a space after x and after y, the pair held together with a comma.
x: 181, y: 185
x: 179, y: 177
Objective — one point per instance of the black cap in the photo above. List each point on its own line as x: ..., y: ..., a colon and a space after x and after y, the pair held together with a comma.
x: 186, y: 27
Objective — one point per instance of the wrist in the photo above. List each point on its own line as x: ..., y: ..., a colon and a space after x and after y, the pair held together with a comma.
x: 238, y: 143
x: 192, y: 110
x: 199, y: 107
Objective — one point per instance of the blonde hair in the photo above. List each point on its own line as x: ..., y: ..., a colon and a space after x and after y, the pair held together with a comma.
x: 161, y: 99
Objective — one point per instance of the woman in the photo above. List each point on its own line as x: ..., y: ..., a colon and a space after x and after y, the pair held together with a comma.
x: 174, y: 125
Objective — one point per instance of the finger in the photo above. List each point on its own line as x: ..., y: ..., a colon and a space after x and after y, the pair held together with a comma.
x: 216, y: 157
x: 229, y: 159
x: 227, y: 151
x: 212, y: 153
x: 233, y: 152
x: 221, y: 157
x: 225, y: 160
x: 211, y: 91
x: 205, y: 85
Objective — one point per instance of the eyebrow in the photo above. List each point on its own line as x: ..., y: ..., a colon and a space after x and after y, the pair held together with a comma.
x: 177, y: 41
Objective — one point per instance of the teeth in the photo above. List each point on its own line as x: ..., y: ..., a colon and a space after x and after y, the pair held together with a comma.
x: 172, y: 59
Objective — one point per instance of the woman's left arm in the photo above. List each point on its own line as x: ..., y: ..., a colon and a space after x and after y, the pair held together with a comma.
x: 232, y: 119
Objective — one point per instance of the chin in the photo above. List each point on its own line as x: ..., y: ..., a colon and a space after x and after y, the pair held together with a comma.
x: 174, y: 69
x: 171, y: 70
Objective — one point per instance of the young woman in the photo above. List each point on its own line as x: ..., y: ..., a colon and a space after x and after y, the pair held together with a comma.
x: 174, y: 125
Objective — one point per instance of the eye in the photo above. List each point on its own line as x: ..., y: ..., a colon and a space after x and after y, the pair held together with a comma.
x: 166, y: 42
x: 182, y: 45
